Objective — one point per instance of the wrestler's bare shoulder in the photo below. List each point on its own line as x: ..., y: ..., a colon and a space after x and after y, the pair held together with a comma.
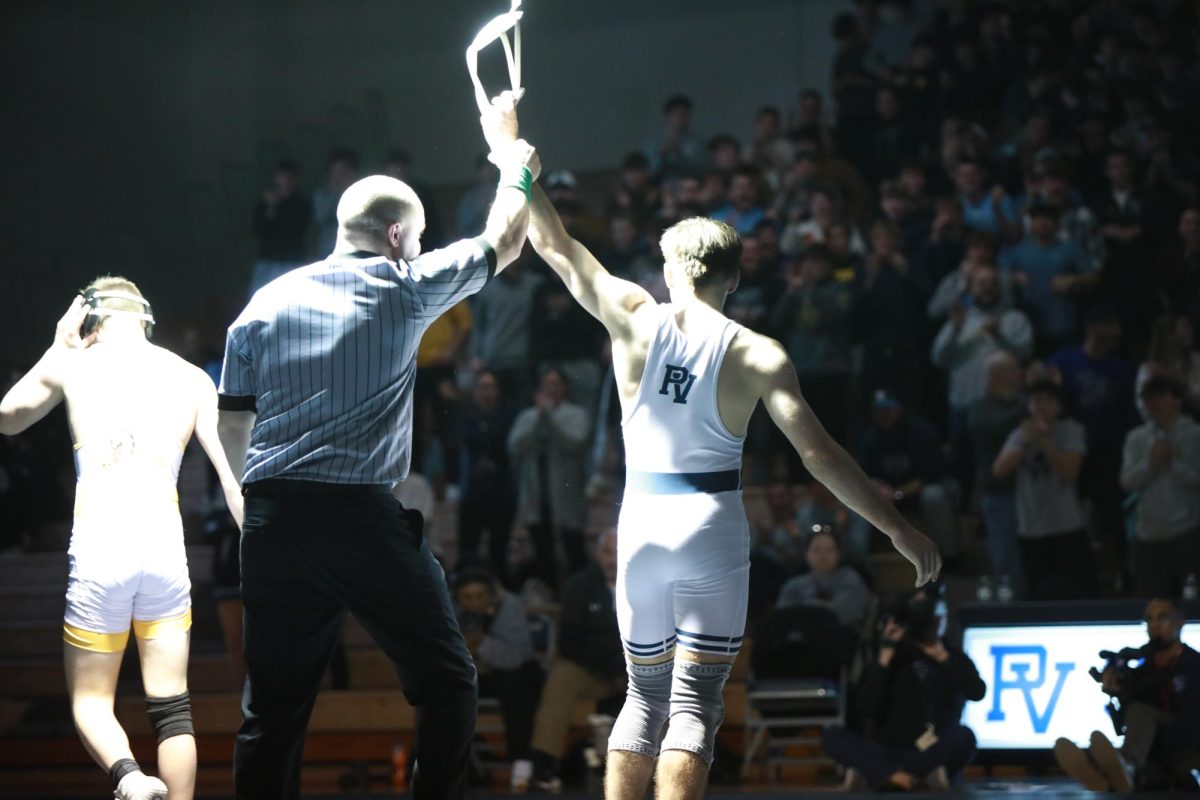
x: 755, y: 357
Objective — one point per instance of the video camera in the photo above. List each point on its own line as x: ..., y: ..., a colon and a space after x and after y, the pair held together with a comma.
x: 1118, y: 661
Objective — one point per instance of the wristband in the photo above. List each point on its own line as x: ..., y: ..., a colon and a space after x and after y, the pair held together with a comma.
x: 122, y: 768
x: 522, y: 181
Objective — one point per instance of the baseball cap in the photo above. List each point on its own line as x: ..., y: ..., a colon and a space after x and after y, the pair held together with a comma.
x: 561, y: 179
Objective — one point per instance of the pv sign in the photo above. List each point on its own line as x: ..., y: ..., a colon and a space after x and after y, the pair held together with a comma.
x: 1038, y: 687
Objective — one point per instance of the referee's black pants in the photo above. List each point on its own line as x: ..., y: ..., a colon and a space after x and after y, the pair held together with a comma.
x: 310, y: 552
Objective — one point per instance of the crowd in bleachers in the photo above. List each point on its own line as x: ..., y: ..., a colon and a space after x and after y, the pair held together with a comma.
x: 981, y: 249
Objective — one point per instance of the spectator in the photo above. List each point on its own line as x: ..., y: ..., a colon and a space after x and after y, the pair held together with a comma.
x: 981, y: 252
x: 891, y: 140
x: 488, y: 501
x: 501, y: 344
x: 1172, y: 354
x: 1178, y: 274
x: 902, y: 453
x: 946, y: 248
x: 886, y: 317
x: 1159, y: 708
x: 828, y: 583
x: 442, y: 347
x: 1098, y: 389
x: 399, y: 166
x: 811, y: 121
x: 769, y: 150
x: 847, y: 263
x: 1076, y: 222
x: 751, y: 303
x: 724, y: 154
x: 549, y: 444
x: 812, y: 319
x: 823, y: 214
x: 1045, y: 453
x: 674, y: 151
x: 1123, y: 216
x: 562, y: 187
x: 895, y: 31
x: 990, y: 420
x: 472, y: 210
x: 780, y: 538
x: 497, y: 632
x: 912, y: 695
x: 1162, y: 464
x: 280, y: 225
x: 341, y: 171
x: 743, y: 211
x: 566, y: 338
x: 893, y: 208
x: 979, y: 326
x: 1048, y: 272
x: 992, y: 211
x: 853, y: 85
x: 635, y: 195
x: 590, y: 664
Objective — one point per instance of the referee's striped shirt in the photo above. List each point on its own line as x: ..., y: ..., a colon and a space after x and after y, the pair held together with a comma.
x: 326, y: 357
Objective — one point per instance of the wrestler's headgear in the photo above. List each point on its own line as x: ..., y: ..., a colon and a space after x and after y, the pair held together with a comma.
x: 94, y: 300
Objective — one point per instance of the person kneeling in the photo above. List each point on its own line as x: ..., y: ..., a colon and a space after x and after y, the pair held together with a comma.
x: 913, y: 694
x: 1159, y: 715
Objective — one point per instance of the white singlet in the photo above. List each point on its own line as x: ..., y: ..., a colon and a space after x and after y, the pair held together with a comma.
x: 127, y: 557
x: 683, y: 542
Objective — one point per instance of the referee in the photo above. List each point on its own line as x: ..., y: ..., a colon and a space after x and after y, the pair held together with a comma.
x: 316, y: 402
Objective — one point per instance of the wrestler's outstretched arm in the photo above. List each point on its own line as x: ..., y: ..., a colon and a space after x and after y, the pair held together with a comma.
x: 609, y: 299
x: 774, y: 376
x: 40, y: 389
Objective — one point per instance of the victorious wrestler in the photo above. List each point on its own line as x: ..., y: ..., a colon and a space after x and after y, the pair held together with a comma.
x: 689, y: 379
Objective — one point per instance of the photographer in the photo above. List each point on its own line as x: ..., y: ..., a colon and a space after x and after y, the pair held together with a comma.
x: 911, y: 699
x: 1157, y: 708
x: 497, y: 632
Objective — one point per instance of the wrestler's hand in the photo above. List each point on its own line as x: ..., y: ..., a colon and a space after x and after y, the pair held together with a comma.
x: 516, y: 155
x: 66, y: 333
x: 921, y: 553
x: 499, y: 122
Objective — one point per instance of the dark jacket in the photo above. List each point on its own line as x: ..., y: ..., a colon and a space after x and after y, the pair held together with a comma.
x: 587, y: 624
x: 915, y: 690
x: 1174, y: 689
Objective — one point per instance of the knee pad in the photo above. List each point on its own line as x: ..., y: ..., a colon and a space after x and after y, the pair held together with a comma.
x: 697, y: 707
x: 638, y: 728
x: 170, y: 716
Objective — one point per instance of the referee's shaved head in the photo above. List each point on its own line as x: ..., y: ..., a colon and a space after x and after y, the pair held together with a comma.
x: 371, y: 206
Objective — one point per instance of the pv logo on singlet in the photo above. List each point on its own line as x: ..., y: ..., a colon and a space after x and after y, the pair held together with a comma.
x: 680, y: 379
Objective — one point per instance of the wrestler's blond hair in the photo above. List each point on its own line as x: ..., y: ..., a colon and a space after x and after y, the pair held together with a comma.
x: 372, y: 205
x: 116, y: 283
x: 708, y: 251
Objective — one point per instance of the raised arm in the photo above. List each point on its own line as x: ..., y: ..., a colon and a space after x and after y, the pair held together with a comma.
x: 779, y: 389
x: 519, y: 167
x: 609, y: 299
x: 40, y: 389
x: 210, y: 440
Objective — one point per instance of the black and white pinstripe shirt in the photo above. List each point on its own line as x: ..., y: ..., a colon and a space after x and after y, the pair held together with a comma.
x: 326, y: 357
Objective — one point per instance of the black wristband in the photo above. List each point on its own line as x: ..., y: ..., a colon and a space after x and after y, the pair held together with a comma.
x: 122, y: 768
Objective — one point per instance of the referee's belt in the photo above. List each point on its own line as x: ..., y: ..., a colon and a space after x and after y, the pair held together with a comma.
x: 729, y: 480
x: 288, y: 487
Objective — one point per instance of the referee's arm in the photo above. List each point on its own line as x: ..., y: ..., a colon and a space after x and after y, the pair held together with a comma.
x: 237, y: 400
x: 509, y: 218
